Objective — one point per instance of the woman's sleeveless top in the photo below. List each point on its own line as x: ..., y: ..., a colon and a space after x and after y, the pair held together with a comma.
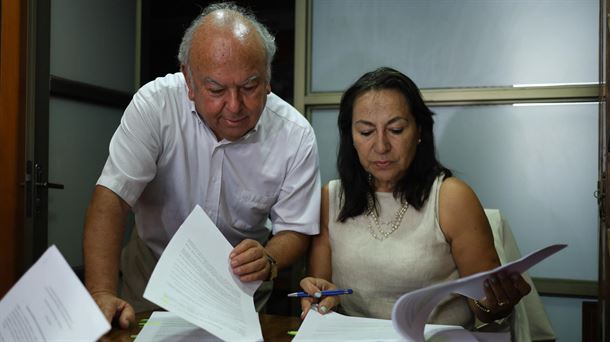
x: 414, y: 256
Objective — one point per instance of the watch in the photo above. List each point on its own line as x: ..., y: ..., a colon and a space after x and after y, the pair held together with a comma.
x: 273, y: 265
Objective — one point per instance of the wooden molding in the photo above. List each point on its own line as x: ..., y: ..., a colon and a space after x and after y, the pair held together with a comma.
x: 566, y: 287
x: 482, y: 96
x: 80, y: 91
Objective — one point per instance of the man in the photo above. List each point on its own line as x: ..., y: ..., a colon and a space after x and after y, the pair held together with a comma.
x: 212, y: 135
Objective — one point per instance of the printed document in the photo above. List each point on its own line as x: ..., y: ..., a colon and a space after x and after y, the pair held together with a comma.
x: 411, y: 310
x: 336, y: 327
x: 193, y: 280
x: 49, y: 303
x: 165, y: 326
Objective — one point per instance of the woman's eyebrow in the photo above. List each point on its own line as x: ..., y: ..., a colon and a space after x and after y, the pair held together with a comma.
x: 391, y: 121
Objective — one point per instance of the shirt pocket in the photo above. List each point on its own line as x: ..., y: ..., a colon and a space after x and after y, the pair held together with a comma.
x: 251, y: 210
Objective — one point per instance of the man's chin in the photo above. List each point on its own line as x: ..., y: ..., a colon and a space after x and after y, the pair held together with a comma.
x: 233, y: 134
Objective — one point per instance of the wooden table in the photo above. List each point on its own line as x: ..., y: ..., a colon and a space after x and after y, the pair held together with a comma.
x: 274, y: 328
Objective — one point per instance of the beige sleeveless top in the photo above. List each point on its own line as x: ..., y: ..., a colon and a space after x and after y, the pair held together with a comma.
x: 414, y: 256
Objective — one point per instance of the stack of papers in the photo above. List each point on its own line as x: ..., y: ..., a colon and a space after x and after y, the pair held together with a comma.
x: 337, y: 327
x: 165, y: 326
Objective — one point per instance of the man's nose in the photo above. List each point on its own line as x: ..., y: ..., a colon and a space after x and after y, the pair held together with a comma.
x: 233, y: 104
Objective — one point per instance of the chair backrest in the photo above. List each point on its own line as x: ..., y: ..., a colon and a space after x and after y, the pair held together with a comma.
x: 530, y: 321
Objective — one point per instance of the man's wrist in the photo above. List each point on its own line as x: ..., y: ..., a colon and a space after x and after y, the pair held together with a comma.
x: 272, y: 267
x: 102, y: 292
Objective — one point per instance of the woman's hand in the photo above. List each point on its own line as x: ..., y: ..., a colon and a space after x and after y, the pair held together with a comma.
x: 502, y: 292
x: 312, y: 286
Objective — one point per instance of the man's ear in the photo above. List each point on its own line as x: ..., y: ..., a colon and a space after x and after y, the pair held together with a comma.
x: 187, y: 77
x: 268, y: 88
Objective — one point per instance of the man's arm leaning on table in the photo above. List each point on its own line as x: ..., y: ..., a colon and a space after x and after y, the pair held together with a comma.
x: 104, y: 229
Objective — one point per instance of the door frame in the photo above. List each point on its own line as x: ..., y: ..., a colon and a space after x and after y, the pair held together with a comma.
x: 42, y: 87
x: 38, y: 130
x: 603, y: 312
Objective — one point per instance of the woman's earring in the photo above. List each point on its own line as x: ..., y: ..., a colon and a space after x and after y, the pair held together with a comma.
x: 370, y: 178
x: 418, y: 141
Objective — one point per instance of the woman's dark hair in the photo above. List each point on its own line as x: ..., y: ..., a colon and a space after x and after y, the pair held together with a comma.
x: 415, y: 185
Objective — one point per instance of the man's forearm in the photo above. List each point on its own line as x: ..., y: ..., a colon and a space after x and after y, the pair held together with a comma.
x: 104, y: 229
x: 287, y: 247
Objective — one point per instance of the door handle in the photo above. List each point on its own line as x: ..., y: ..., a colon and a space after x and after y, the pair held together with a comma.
x: 34, y: 187
x: 48, y: 185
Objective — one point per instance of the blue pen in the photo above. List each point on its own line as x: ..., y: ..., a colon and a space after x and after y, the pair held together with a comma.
x: 322, y: 293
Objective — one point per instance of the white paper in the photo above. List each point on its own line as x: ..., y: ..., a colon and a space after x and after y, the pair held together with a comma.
x: 333, y: 326
x: 49, y: 303
x: 336, y: 327
x: 411, y: 311
x: 193, y: 279
x: 166, y: 326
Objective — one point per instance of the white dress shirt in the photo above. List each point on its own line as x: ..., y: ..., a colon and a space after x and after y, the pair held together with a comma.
x: 164, y: 160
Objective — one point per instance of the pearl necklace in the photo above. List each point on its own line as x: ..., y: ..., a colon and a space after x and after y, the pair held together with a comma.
x: 374, y: 220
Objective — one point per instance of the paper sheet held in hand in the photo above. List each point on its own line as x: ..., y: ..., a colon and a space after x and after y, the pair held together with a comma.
x: 193, y: 280
x: 49, y: 303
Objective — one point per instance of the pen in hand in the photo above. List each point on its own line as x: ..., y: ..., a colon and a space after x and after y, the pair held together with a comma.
x: 322, y: 293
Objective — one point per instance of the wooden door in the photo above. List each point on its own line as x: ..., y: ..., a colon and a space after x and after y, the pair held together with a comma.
x: 12, y: 130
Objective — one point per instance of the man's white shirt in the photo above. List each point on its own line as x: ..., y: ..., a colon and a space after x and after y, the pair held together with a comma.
x: 164, y: 160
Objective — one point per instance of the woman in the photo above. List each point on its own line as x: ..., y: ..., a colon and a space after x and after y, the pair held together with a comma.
x: 397, y: 220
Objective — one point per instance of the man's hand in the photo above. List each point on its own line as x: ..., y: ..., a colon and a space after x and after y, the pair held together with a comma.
x: 249, y: 261
x: 115, y: 309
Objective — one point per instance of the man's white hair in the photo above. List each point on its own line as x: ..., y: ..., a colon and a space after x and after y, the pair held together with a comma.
x: 267, y: 38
